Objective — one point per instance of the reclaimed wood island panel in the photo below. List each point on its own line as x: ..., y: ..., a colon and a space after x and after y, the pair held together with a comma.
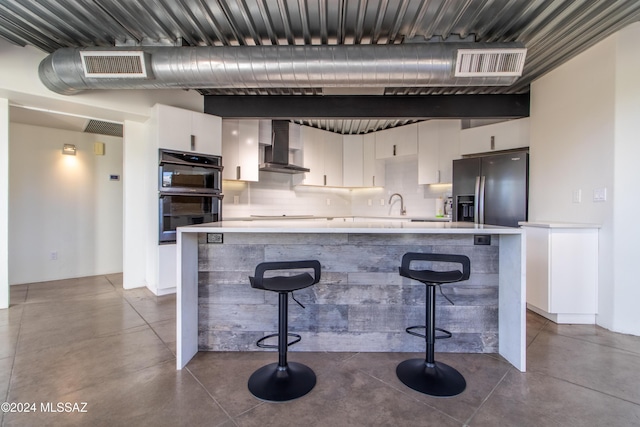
x: 361, y: 302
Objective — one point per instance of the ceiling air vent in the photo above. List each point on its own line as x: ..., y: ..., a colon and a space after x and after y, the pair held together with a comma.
x: 114, y: 64
x: 490, y: 62
x: 104, y: 128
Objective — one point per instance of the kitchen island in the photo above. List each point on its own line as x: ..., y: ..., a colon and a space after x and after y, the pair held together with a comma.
x: 361, y: 303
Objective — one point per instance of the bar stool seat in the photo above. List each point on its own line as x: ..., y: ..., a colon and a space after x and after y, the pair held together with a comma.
x: 426, y: 375
x: 283, y: 381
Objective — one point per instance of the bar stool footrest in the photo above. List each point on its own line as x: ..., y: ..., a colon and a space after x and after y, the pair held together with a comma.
x: 446, y: 334
x: 260, y: 344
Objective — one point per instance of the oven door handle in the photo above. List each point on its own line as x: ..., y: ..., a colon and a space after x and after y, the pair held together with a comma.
x: 198, y: 165
x: 194, y: 194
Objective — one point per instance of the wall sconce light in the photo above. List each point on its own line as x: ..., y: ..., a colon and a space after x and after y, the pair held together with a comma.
x: 69, y: 149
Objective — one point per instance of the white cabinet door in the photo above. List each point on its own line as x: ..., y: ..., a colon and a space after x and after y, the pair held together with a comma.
x: 333, y: 159
x: 428, y: 152
x: 353, y: 161
x: 230, y: 152
x: 173, y: 127
x: 562, y: 273
x: 313, y: 155
x: 495, y: 137
x: 372, y: 169
x: 448, y: 148
x: 240, y: 150
x: 438, y: 147
x: 398, y: 141
x: 384, y: 144
x: 184, y: 130
x: 322, y: 154
x: 248, y: 150
x: 207, y: 133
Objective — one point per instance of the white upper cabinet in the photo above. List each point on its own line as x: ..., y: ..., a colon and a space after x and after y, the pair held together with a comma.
x: 313, y: 155
x: 185, y: 130
x: 322, y: 154
x: 495, y: 137
x: 333, y: 159
x: 360, y: 166
x: 438, y: 147
x: 373, y: 172
x: 353, y: 161
x: 398, y: 141
x: 240, y: 149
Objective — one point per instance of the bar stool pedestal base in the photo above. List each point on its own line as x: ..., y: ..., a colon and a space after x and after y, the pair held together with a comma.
x: 274, y: 383
x: 436, y: 379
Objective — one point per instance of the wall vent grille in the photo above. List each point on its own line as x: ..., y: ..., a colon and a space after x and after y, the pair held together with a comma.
x: 114, y: 64
x: 490, y: 62
x: 104, y: 128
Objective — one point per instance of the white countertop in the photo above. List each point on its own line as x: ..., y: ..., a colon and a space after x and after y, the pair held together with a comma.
x: 556, y: 224
x: 340, y: 217
x: 377, y: 227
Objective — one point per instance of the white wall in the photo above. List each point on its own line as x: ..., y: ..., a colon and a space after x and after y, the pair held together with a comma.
x: 4, y: 203
x: 626, y: 291
x: 583, y: 132
x: 136, y: 208
x: 61, y: 204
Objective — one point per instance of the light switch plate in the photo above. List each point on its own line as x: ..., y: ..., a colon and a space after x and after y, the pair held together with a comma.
x: 600, y: 194
x: 577, y: 196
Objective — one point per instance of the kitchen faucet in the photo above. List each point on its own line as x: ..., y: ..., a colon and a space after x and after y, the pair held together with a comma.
x: 403, y: 211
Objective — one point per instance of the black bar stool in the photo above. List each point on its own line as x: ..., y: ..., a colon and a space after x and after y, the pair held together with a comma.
x: 282, y: 381
x: 428, y: 376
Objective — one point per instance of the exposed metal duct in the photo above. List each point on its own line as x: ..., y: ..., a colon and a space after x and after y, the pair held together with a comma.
x: 414, y: 64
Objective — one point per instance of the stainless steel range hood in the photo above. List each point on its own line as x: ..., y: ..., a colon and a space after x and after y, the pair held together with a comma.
x: 276, y: 156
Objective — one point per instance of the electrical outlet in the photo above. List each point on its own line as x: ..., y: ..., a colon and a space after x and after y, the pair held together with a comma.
x: 482, y: 239
x: 328, y: 202
x: 381, y: 202
x: 236, y: 200
x: 369, y: 202
x: 215, y: 237
x: 53, y: 256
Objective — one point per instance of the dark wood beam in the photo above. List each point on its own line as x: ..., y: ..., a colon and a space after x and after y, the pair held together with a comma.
x: 368, y: 107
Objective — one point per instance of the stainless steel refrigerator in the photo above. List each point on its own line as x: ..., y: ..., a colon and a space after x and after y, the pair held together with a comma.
x: 491, y: 190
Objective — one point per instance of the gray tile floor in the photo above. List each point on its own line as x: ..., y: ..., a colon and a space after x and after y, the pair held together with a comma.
x: 87, y: 340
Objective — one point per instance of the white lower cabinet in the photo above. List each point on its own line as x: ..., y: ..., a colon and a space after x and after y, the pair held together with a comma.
x: 562, y: 271
x: 167, y: 269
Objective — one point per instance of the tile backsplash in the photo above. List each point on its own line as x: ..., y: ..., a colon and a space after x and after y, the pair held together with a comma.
x: 276, y: 194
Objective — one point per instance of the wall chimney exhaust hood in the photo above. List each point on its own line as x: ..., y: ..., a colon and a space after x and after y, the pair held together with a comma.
x: 276, y: 156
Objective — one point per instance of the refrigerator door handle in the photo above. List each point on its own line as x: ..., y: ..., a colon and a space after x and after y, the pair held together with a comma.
x: 481, y: 200
x: 476, y: 206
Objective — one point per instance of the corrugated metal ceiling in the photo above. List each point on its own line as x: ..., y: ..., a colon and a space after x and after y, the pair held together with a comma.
x: 552, y: 30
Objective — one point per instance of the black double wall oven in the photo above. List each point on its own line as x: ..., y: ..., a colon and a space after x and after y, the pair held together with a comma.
x: 190, y: 190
